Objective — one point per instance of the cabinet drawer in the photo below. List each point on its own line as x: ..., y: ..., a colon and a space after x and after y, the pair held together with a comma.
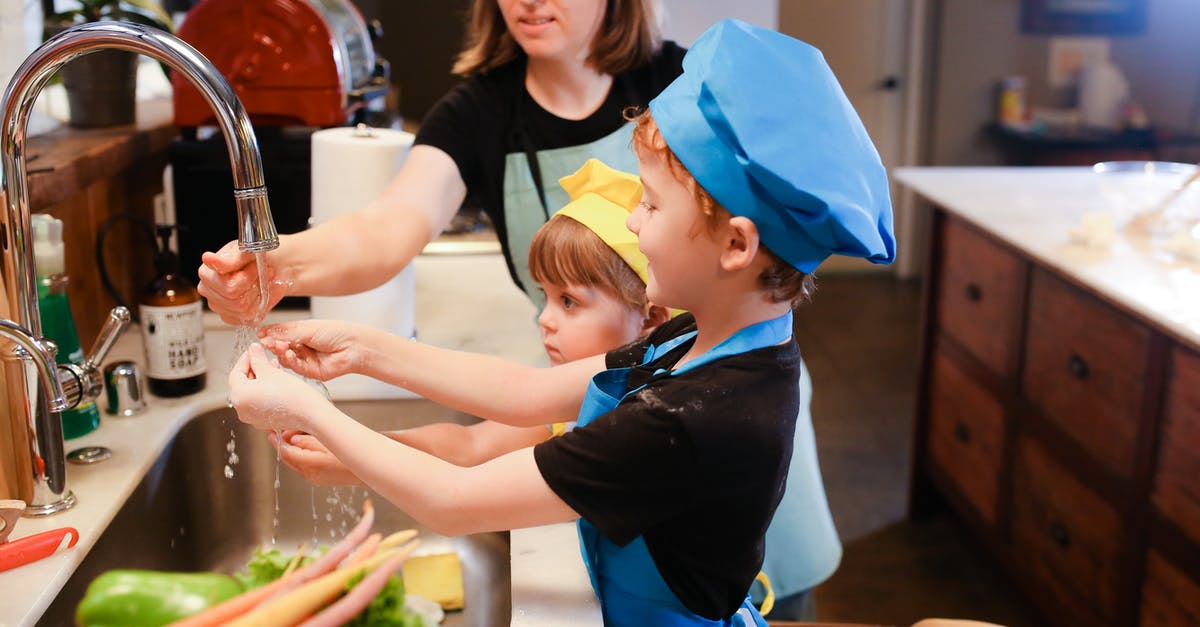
x: 1065, y: 537
x: 1176, y: 487
x: 980, y: 287
x: 1085, y: 367
x: 1169, y: 596
x: 966, y: 434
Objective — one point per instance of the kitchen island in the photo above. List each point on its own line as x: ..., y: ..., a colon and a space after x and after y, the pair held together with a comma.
x: 464, y: 302
x: 1059, y: 396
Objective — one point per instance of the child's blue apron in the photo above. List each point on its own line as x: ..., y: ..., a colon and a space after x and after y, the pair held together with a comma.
x: 632, y: 593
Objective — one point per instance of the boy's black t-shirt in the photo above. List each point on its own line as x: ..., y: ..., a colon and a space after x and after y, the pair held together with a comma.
x: 695, y: 463
x: 475, y: 121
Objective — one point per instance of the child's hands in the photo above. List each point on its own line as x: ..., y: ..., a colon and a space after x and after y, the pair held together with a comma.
x: 310, y: 459
x: 266, y: 397
x: 318, y: 349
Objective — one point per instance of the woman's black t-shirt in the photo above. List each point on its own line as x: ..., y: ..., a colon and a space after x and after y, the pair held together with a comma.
x: 475, y: 123
x: 694, y: 463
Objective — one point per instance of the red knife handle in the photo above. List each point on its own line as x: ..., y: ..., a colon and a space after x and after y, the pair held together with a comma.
x: 33, y: 548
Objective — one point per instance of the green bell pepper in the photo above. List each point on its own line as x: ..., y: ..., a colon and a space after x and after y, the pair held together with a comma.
x: 145, y: 598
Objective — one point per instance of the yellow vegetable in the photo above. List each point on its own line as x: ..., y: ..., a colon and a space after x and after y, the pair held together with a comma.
x: 437, y: 578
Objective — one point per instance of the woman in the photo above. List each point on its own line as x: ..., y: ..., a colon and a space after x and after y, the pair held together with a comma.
x: 546, y: 83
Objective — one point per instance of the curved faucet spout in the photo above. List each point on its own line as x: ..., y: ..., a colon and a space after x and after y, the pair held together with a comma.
x: 19, y: 300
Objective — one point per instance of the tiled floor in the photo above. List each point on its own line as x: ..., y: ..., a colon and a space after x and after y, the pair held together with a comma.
x: 859, y: 339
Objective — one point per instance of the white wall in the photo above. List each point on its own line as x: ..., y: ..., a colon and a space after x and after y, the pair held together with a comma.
x: 686, y: 19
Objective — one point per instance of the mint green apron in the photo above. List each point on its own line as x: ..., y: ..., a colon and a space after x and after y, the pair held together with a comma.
x: 531, y: 193
x: 524, y: 212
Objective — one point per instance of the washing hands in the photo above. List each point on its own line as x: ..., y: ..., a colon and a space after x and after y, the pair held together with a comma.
x: 268, y: 397
x: 318, y: 349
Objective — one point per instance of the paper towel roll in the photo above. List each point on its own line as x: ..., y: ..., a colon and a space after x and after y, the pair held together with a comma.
x: 350, y: 168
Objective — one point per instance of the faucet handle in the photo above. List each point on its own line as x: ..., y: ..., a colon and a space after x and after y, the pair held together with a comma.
x: 84, y: 380
x: 117, y: 320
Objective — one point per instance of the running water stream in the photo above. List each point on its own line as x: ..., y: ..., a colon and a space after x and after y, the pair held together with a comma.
x: 247, y: 334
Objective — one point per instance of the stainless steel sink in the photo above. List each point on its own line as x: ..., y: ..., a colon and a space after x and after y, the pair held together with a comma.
x: 186, y: 515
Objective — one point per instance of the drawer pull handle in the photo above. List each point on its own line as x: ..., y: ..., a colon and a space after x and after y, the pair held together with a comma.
x: 1061, y: 536
x: 1078, y: 367
x: 974, y: 293
x: 962, y: 433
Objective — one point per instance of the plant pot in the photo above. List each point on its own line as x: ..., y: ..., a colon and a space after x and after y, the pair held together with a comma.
x: 101, y: 88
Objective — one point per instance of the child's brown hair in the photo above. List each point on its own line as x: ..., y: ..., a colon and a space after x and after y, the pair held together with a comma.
x: 565, y: 252
x: 781, y: 281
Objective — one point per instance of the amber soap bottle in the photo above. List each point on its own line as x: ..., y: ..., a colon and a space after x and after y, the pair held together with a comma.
x: 172, y: 321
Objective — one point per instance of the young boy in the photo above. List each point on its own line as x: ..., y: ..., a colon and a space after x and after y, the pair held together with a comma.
x: 589, y: 266
x: 756, y: 169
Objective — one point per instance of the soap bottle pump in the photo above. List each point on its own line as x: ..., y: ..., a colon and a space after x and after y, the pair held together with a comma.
x: 172, y: 324
x: 57, y: 322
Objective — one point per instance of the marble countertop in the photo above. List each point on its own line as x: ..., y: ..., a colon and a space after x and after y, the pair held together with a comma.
x: 1033, y: 210
x: 464, y: 302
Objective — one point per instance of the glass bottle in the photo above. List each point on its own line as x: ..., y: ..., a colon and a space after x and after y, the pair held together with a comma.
x: 57, y: 322
x: 172, y: 323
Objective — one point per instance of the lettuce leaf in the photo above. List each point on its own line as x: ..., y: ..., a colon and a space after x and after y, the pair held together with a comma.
x: 264, y: 567
x: 387, y: 608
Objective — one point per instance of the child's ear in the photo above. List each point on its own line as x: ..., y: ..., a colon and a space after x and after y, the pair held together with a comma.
x: 740, y: 245
x: 655, y: 315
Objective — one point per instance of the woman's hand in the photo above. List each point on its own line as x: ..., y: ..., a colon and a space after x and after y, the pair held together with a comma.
x: 318, y: 349
x: 266, y: 397
x: 229, y: 281
x: 310, y: 459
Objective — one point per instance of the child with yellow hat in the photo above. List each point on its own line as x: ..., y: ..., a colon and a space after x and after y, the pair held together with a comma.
x: 755, y: 169
x: 587, y: 263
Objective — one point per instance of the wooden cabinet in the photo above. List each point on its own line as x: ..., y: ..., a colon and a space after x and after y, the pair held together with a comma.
x: 1064, y: 429
x: 966, y: 436
x: 1085, y: 368
x: 1065, y: 535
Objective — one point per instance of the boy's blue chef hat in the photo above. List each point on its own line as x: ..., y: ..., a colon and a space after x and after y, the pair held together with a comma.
x: 760, y: 121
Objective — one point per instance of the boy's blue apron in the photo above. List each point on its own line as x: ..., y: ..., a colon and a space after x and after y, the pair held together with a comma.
x: 632, y: 593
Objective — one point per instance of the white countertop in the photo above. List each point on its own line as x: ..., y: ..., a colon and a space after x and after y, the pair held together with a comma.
x: 1033, y: 209
x: 462, y: 302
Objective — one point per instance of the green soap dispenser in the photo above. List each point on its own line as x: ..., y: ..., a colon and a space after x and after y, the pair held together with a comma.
x: 57, y: 322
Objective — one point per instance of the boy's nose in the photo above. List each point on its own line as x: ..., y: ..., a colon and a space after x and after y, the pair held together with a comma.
x: 545, y: 319
x: 634, y: 221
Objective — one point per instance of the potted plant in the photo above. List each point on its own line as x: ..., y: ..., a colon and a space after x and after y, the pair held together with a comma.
x: 101, y: 86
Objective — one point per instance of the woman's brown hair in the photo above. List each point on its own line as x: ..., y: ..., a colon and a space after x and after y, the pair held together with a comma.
x: 629, y: 36
x: 564, y: 252
x: 781, y: 281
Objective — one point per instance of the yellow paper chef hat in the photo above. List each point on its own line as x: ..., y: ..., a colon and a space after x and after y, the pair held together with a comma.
x: 602, y: 199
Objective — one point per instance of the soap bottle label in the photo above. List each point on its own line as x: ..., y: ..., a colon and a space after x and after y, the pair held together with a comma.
x: 174, y: 340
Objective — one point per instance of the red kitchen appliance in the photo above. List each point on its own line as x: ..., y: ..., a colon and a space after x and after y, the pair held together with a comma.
x: 297, y: 66
x: 291, y: 62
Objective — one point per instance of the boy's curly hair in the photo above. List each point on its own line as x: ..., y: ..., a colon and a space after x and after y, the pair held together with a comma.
x: 781, y: 281
x: 564, y: 252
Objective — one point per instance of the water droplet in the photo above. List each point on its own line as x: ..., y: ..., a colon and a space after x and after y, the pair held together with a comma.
x: 228, y: 472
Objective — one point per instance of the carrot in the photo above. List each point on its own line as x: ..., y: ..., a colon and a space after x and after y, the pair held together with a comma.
x: 296, y: 559
x: 358, y: 598
x: 330, y: 560
x: 297, y: 604
x: 396, y: 539
x: 364, y: 550
x: 246, y: 601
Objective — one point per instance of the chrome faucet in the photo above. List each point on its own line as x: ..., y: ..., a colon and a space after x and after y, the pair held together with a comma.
x: 31, y: 446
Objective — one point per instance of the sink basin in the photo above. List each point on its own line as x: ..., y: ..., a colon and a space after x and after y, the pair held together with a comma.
x: 186, y: 515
